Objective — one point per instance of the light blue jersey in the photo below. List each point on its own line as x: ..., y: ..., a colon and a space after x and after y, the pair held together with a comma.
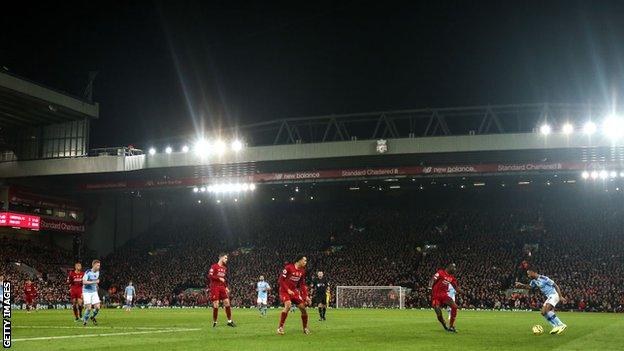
x: 451, y: 292
x: 263, y: 288
x: 90, y: 275
x: 545, y: 284
x: 130, y: 290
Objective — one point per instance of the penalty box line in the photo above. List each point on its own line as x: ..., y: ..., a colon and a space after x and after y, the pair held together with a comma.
x: 157, y: 331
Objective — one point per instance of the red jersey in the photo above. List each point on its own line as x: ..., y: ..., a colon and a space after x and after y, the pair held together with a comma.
x: 30, y: 290
x: 293, y: 278
x: 216, y: 271
x: 75, y: 280
x: 441, y: 281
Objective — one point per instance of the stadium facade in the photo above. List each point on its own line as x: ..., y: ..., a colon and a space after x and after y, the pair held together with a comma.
x: 105, y: 197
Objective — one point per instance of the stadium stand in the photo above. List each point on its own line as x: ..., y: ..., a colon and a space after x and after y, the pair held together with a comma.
x: 573, y: 237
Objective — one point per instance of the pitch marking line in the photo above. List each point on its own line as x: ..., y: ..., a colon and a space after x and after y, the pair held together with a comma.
x: 88, y: 328
x: 108, y: 334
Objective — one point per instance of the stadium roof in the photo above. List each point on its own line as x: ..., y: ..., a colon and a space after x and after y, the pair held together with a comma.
x: 24, y: 103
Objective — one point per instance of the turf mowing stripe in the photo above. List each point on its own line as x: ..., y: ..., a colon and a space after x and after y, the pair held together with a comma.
x: 108, y: 334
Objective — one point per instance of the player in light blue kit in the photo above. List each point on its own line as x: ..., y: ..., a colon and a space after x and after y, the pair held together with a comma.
x: 129, y: 293
x: 263, y: 289
x: 90, y: 296
x: 451, y: 294
x: 553, y: 295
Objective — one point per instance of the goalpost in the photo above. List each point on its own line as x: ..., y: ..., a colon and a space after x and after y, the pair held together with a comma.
x: 371, y: 296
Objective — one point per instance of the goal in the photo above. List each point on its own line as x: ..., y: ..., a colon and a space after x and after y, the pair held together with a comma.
x: 371, y: 296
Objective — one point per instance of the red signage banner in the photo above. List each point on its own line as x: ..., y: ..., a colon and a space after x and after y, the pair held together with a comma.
x: 18, y: 220
x: 492, y: 168
x: 62, y: 226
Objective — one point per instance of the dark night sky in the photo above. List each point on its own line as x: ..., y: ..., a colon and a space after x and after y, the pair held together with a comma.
x: 165, y: 65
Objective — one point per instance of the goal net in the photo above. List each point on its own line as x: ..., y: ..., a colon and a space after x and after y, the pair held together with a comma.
x: 370, y: 296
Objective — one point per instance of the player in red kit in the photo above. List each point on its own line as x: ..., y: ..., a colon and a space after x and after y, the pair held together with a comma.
x: 30, y: 294
x: 74, y: 279
x: 219, y: 290
x: 439, y: 285
x: 293, y: 289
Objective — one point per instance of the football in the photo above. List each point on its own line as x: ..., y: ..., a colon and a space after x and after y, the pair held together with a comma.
x: 538, y: 329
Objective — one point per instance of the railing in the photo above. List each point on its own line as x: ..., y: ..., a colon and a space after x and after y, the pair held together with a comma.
x: 115, y: 151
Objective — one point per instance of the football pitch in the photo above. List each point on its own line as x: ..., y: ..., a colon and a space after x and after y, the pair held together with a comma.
x: 389, y: 330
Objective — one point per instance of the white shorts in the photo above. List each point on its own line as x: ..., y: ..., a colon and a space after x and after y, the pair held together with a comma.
x: 129, y: 298
x: 90, y: 298
x: 262, y: 300
x: 552, y: 299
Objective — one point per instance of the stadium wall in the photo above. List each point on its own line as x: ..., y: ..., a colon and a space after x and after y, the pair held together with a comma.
x: 120, y: 217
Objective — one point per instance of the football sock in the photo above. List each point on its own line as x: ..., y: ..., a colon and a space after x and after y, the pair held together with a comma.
x: 550, y: 317
x: 283, y: 317
x: 95, y: 312
x: 324, y: 311
x: 320, y: 312
x: 304, y: 319
x: 441, y: 319
x: 75, y: 311
x: 86, y: 315
x: 558, y: 321
x: 80, y: 310
x: 453, y: 316
x: 228, y: 313
x: 215, y: 314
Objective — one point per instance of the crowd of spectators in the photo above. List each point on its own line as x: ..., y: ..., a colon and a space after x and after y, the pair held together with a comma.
x: 40, y: 262
x: 579, y: 244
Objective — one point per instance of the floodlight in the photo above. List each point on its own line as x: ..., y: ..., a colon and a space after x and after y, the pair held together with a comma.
x: 219, y: 147
x: 237, y: 145
x: 545, y: 129
x: 202, y: 147
x: 613, y: 127
x: 589, y: 128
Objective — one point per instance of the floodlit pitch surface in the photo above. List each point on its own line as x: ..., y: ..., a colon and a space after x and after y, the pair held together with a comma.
x: 386, y: 330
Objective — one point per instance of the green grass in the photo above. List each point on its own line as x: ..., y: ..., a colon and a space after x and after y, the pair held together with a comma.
x: 386, y: 330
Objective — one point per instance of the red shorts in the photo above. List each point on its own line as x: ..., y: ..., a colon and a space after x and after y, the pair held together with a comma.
x: 441, y: 300
x: 218, y: 293
x: 75, y: 293
x: 29, y: 299
x: 295, y: 298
